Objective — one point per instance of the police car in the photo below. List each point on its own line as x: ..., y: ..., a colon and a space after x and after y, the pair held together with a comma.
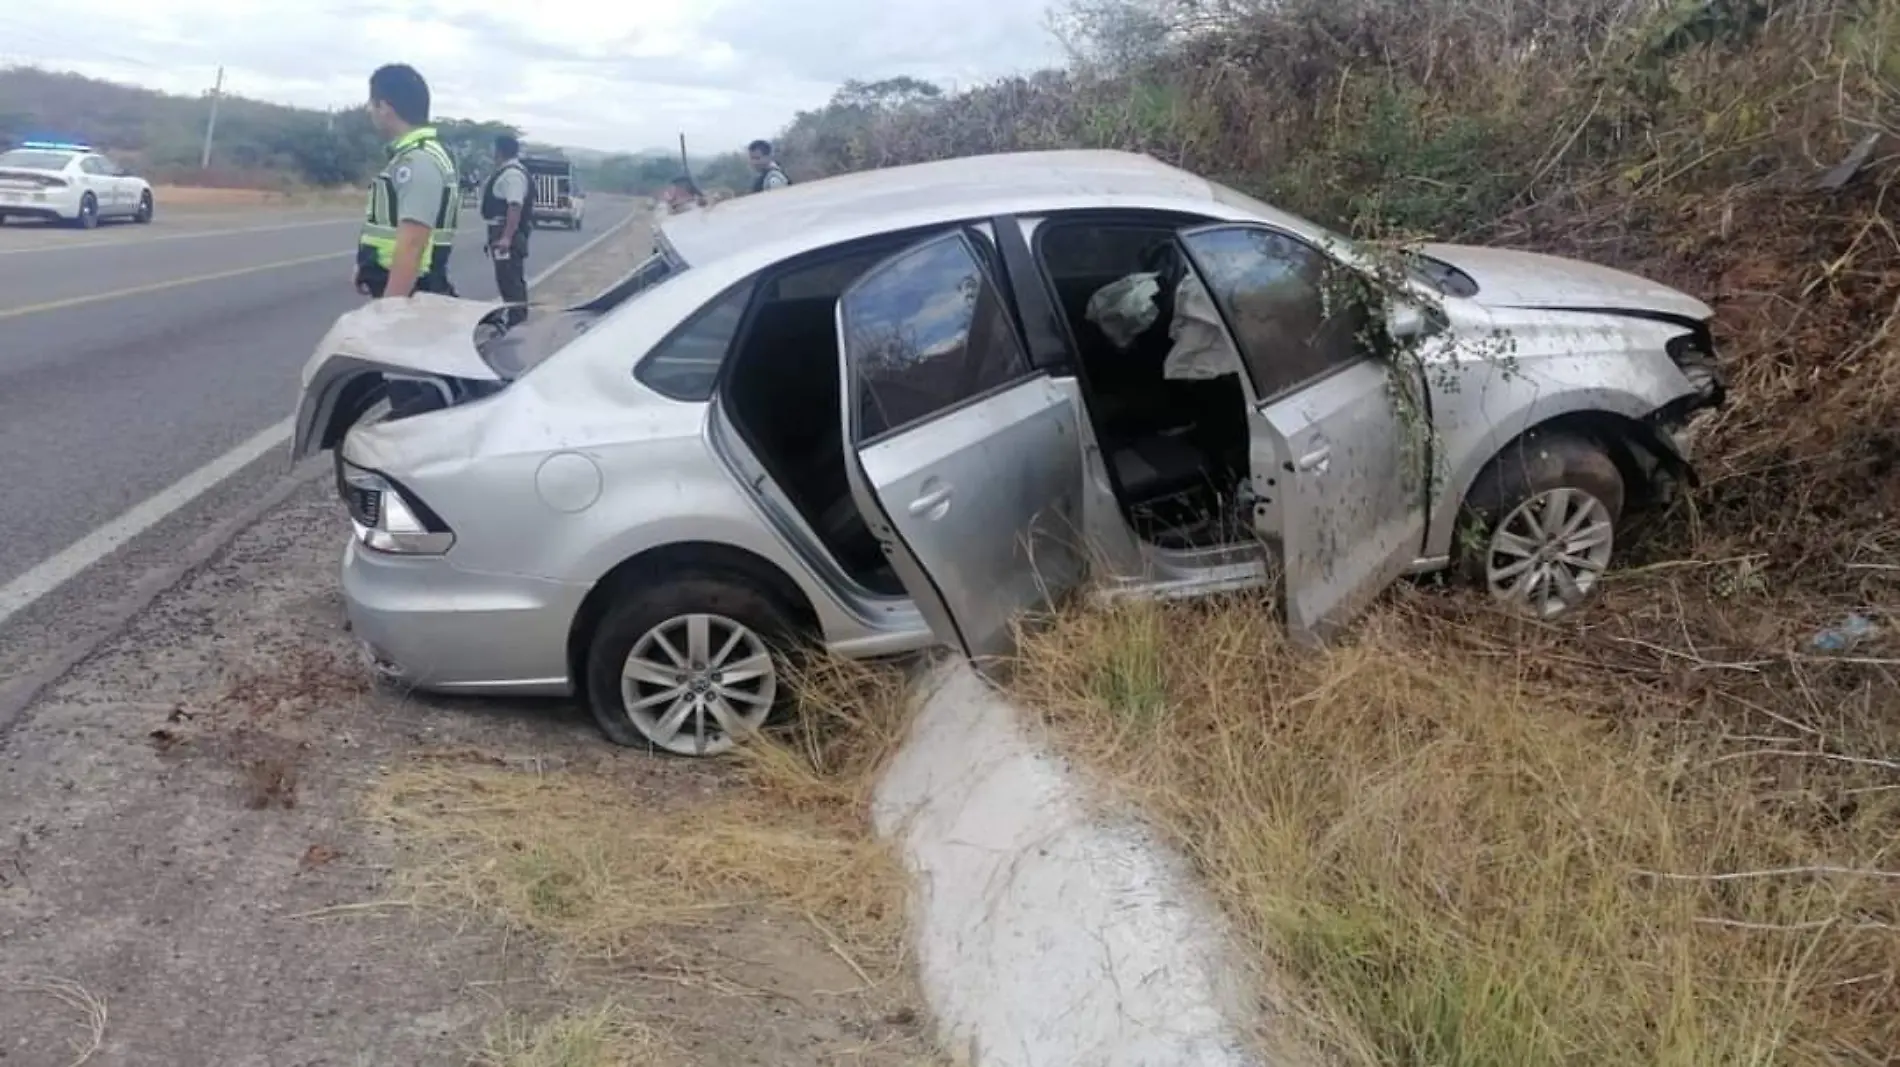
x: 68, y: 182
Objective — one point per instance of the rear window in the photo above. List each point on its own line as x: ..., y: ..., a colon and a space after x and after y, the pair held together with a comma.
x: 31, y: 159
x: 657, y: 268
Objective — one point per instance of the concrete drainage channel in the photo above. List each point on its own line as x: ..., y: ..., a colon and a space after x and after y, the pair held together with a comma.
x: 1046, y: 933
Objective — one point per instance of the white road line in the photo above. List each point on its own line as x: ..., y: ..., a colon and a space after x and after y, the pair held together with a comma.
x: 49, y: 574
x: 136, y: 241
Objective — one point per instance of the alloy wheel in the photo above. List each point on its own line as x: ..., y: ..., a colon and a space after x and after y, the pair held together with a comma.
x: 696, y: 684
x: 1549, y: 553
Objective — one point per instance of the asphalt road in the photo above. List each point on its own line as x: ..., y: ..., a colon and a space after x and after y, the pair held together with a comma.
x: 132, y: 356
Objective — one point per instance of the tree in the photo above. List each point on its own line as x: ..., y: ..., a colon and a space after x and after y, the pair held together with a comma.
x: 257, y: 143
x: 471, y: 143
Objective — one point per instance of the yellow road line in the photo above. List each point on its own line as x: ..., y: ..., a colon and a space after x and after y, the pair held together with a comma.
x: 174, y: 283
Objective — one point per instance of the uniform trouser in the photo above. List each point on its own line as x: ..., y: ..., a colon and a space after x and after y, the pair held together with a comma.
x: 511, y: 274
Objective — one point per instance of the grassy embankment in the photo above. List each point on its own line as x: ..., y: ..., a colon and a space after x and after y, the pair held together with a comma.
x: 1664, y: 831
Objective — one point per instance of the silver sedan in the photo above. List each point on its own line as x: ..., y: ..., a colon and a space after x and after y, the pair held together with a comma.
x: 884, y: 411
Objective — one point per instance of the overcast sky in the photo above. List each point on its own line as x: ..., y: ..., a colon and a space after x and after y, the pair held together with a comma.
x: 622, y: 76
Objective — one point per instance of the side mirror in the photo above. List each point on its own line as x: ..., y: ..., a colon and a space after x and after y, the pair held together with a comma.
x: 1404, y: 319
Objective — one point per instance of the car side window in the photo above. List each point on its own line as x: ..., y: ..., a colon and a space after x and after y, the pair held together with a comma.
x: 91, y: 165
x: 686, y: 365
x: 1084, y: 250
x: 925, y: 332
x: 1291, y: 313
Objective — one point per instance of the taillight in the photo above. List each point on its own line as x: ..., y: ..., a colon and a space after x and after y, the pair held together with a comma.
x: 389, y: 520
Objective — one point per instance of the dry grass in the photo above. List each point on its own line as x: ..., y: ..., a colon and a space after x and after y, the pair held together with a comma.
x: 604, y: 1037
x: 194, y: 198
x: 76, y: 1000
x: 594, y: 861
x: 1461, y: 840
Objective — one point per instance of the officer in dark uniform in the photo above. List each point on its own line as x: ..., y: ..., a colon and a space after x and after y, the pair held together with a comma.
x: 415, y: 202
x: 508, y: 209
x: 770, y: 175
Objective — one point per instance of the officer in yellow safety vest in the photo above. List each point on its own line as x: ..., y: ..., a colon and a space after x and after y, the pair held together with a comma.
x: 415, y: 202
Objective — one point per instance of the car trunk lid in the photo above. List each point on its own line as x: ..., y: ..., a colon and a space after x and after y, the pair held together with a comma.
x: 429, y: 343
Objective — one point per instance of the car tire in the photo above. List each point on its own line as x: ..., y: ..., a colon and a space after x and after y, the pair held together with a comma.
x: 145, y: 211
x: 741, y: 619
x: 88, y: 217
x: 1540, y: 523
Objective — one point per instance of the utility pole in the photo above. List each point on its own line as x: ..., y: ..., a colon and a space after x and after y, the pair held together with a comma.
x: 211, y: 124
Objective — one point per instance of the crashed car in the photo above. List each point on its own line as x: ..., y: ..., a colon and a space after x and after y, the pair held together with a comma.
x: 894, y: 409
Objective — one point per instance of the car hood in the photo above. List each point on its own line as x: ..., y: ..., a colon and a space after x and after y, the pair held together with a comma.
x: 424, y: 336
x: 1512, y: 279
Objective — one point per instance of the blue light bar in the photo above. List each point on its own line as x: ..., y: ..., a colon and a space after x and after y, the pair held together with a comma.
x: 56, y: 146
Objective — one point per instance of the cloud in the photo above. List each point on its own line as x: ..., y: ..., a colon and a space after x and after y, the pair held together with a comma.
x: 624, y: 76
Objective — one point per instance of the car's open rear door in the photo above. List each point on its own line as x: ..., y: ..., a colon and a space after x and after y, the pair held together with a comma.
x: 963, y: 458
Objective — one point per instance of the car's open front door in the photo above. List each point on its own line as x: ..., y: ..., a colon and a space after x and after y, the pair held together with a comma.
x: 1339, y: 458
x: 964, y: 459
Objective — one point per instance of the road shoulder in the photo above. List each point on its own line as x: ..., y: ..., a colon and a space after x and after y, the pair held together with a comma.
x: 215, y: 850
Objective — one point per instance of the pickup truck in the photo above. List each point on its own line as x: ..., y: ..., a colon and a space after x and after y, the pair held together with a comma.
x: 557, y: 191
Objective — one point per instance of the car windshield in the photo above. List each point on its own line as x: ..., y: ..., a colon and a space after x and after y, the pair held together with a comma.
x: 1418, y: 270
x: 33, y: 159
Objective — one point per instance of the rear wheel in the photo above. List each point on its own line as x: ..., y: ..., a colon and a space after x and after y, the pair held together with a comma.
x: 1541, y: 523
x: 88, y: 217
x: 691, y: 665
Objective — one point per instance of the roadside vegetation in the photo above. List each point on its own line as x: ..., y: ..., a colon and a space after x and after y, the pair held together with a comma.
x: 258, y: 145
x: 1663, y: 831
x: 694, y: 889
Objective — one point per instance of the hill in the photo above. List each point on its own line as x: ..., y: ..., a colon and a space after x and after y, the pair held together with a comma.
x: 257, y: 145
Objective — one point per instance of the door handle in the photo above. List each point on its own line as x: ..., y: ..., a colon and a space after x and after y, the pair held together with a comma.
x: 931, y: 501
x: 1317, y: 460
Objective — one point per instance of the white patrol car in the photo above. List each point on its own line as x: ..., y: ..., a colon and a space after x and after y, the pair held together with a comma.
x: 69, y: 183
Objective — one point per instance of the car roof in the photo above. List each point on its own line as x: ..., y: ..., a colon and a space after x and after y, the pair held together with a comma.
x: 821, y: 213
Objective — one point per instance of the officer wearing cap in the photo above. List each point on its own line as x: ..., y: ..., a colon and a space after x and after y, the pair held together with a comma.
x: 507, y: 206
x: 414, y: 203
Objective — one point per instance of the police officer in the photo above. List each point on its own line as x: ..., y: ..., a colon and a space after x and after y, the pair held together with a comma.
x: 770, y: 176
x: 414, y: 203
x: 507, y: 208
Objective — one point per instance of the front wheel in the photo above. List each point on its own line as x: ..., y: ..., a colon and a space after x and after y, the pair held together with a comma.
x: 1541, y: 523
x: 144, y: 214
x: 691, y: 665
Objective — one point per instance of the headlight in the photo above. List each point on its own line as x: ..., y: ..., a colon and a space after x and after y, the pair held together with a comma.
x: 387, y: 519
